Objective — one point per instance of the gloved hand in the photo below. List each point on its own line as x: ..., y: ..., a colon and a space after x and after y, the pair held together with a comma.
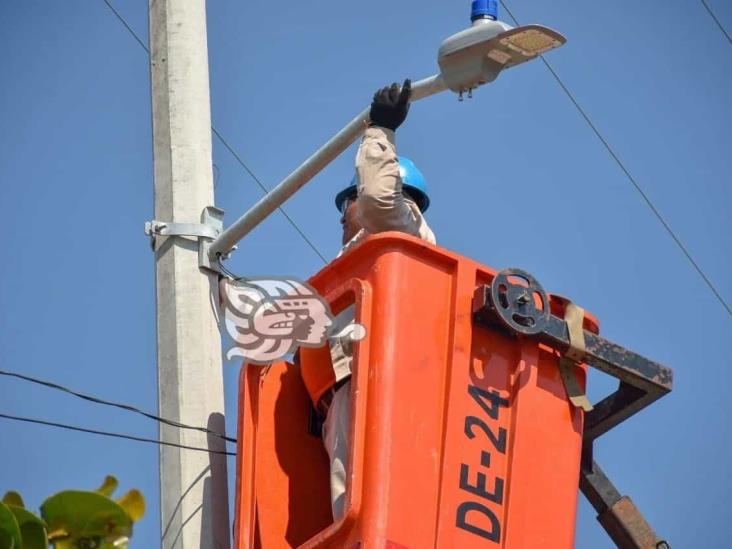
x: 391, y: 105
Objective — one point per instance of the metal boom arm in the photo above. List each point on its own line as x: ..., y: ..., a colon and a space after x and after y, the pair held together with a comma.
x: 306, y: 171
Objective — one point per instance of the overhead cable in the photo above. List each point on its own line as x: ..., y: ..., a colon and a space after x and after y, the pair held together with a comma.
x: 629, y: 176
x: 265, y: 190
x: 109, y: 434
x: 226, y: 144
x: 122, y: 406
x: 717, y: 21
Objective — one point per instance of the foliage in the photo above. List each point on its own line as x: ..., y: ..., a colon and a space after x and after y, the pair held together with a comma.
x: 72, y: 519
x: 31, y: 529
x: 9, y: 529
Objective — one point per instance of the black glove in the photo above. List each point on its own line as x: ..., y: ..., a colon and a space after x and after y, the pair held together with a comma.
x: 391, y: 105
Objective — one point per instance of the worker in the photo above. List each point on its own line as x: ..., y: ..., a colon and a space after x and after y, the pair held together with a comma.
x: 388, y: 193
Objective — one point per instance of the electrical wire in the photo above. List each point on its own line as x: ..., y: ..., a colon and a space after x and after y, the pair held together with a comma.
x: 226, y: 144
x: 265, y: 190
x: 127, y: 26
x: 110, y: 434
x: 122, y: 406
x: 227, y: 272
x: 629, y: 176
x: 717, y: 21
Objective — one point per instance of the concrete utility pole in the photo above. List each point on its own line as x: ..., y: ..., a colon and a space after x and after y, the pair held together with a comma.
x: 193, y: 487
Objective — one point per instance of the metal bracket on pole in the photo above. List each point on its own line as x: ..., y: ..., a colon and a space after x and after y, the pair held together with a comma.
x: 517, y: 304
x: 211, y: 217
x: 211, y: 226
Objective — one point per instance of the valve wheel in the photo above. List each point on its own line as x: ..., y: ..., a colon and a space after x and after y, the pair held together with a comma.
x: 520, y: 301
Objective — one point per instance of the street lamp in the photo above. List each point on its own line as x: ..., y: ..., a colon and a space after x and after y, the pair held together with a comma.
x: 475, y: 56
x: 467, y: 60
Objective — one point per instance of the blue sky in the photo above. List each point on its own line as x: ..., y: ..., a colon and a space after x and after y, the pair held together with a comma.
x: 517, y: 179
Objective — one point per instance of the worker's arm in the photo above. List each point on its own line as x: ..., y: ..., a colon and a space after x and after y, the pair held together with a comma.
x: 382, y: 206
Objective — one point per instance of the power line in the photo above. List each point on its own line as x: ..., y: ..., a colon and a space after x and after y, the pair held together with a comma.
x: 265, y: 190
x: 630, y: 177
x: 127, y: 26
x: 109, y: 434
x: 126, y: 407
x: 717, y: 21
x: 218, y: 134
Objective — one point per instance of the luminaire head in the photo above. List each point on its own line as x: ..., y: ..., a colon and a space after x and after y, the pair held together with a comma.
x: 477, y: 55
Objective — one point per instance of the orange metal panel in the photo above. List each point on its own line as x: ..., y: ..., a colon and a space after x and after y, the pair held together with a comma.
x: 461, y: 436
x: 283, y: 495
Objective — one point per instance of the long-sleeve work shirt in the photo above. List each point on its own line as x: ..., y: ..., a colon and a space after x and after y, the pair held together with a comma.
x: 381, y: 207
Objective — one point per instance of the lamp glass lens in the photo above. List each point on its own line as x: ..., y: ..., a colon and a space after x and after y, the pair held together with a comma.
x: 530, y: 42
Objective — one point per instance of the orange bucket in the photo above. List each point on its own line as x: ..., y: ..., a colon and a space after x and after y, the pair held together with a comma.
x: 461, y: 436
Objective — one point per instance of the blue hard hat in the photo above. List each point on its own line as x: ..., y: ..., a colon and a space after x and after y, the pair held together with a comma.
x: 413, y: 184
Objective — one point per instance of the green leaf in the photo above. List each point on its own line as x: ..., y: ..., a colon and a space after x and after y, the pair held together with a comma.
x: 32, y: 528
x: 5, y: 539
x: 134, y: 504
x: 109, y: 486
x: 84, y: 515
x: 13, y: 498
x: 10, y: 537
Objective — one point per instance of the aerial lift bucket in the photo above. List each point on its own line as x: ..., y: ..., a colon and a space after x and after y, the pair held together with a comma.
x: 462, y: 430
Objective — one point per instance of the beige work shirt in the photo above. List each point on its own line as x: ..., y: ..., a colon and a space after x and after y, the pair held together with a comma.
x: 382, y: 206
